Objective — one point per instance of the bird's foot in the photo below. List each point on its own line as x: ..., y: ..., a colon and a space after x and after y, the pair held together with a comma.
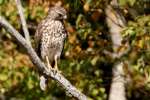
x: 56, y: 65
x: 49, y: 67
x: 55, y: 69
x: 58, y: 71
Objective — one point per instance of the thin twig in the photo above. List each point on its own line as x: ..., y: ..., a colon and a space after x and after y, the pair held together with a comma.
x: 23, y: 22
x: 118, y: 55
x: 40, y: 65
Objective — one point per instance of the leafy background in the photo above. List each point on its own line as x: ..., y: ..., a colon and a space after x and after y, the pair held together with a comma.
x: 83, y: 61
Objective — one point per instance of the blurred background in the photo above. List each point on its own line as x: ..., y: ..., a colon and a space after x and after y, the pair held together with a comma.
x: 83, y: 62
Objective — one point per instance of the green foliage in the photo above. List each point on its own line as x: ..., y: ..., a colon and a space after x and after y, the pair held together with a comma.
x: 137, y: 33
x: 130, y: 2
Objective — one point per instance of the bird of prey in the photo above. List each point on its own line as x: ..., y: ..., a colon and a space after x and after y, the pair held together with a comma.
x: 49, y: 38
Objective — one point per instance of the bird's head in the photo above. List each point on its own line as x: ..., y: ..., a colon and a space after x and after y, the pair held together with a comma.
x: 57, y: 13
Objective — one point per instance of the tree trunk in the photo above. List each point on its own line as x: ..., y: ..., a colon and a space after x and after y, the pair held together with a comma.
x: 115, y: 24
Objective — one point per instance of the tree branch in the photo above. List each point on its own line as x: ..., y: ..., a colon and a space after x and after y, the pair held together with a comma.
x: 118, y: 55
x: 24, y: 25
x: 40, y: 65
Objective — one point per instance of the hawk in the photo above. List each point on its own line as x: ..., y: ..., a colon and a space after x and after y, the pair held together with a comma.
x: 49, y: 38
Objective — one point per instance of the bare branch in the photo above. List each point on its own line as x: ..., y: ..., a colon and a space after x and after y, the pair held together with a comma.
x: 40, y: 66
x: 118, y: 55
x: 24, y: 25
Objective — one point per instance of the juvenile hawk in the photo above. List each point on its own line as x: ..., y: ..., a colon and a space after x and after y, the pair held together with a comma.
x: 50, y: 36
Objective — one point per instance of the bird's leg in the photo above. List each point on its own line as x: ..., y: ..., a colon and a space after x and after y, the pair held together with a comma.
x: 48, y: 64
x: 56, y: 64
